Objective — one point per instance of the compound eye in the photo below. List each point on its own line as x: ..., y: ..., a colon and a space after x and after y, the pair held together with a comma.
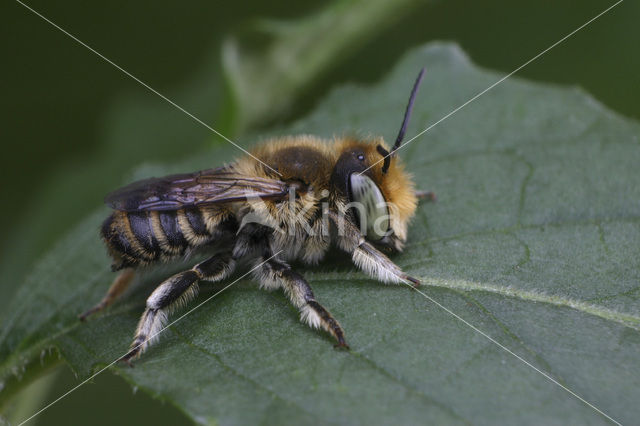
x: 370, y: 206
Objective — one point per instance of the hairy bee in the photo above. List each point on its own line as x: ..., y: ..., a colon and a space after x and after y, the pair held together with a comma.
x: 289, y: 200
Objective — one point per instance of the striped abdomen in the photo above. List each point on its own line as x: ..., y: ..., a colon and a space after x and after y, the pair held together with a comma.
x: 145, y: 237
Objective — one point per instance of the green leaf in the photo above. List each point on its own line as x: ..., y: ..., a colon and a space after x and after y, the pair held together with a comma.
x: 534, y: 240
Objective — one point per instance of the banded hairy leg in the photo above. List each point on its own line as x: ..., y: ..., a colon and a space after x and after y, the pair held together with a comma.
x: 174, y: 293
x: 119, y: 286
x: 275, y: 274
x: 365, y: 256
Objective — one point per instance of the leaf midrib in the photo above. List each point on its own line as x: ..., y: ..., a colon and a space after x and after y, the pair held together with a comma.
x: 625, y: 319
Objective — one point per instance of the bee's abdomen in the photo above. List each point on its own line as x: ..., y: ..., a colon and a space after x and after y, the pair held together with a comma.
x: 145, y: 237
x: 165, y: 224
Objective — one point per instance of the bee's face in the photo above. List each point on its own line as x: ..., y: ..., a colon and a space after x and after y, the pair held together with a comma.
x: 381, y: 201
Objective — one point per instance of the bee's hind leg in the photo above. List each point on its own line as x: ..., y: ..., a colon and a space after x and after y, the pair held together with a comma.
x: 119, y: 285
x: 277, y: 274
x: 173, y: 293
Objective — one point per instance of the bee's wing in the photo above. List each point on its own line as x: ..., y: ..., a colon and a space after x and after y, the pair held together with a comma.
x: 212, y: 186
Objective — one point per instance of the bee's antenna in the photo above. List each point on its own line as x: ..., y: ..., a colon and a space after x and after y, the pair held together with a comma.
x: 407, y: 113
x: 405, y: 122
x: 387, y: 158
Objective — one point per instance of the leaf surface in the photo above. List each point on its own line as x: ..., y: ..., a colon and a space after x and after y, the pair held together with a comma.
x: 534, y: 239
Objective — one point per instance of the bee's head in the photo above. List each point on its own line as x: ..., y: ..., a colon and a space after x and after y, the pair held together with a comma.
x: 380, y: 193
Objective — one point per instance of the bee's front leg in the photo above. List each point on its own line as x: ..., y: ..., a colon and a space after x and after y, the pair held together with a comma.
x: 365, y: 256
x: 277, y: 274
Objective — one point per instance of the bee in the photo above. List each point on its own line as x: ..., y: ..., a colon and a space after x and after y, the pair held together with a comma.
x: 291, y: 199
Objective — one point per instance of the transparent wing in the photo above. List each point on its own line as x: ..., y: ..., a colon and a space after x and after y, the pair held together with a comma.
x: 221, y: 185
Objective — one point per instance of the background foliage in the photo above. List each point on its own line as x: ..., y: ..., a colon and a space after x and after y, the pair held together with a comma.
x: 79, y: 126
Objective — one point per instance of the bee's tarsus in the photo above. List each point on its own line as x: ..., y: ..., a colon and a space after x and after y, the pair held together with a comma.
x: 128, y: 358
x: 426, y: 195
x: 175, y: 292
x: 416, y: 282
x: 86, y: 314
x: 83, y: 316
x: 342, y: 345
x: 119, y: 285
x: 276, y: 274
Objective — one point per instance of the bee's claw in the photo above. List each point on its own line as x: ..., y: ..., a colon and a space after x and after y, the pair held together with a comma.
x: 83, y: 316
x: 341, y: 345
x: 416, y: 282
x: 426, y: 195
x: 128, y: 358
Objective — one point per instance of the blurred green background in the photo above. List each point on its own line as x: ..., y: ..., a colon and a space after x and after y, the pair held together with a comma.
x: 74, y: 127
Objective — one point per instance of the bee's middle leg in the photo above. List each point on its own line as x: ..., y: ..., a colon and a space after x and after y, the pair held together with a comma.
x: 173, y: 293
x: 426, y: 195
x: 275, y: 274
